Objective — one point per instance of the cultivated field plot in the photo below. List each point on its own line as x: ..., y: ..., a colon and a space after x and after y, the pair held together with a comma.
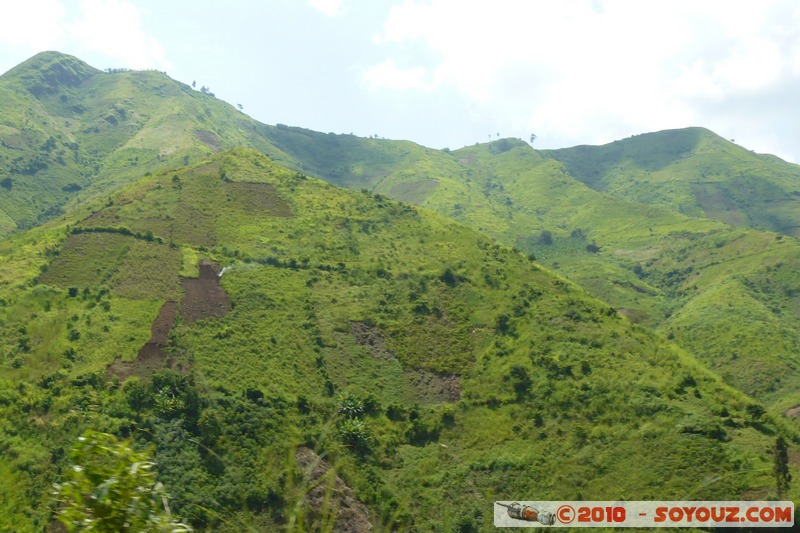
x: 258, y: 199
x: 130, y: 267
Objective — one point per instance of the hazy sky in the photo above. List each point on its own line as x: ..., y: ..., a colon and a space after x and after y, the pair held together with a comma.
x: 448, y: 73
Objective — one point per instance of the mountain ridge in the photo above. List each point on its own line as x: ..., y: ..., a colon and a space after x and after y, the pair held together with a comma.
x: 343, y: 298
x: 47, y: 71
x: 424, y: 351
x: 706, y: 176
x: 520, y: 196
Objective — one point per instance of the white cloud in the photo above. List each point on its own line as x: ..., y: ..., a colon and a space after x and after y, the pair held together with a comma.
x: 114, y: 28
x: 33, y: 24
x: 327, y: 7
x: 388, y: 75
x: 753, y: 64
x: 589, y: 71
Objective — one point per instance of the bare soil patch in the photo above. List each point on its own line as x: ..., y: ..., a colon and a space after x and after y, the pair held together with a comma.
x: 369, y: 336
x: 159, y: 331
x: 434, y: 387
x: 209, y: 139
x: 794, y: 458
x: 330, y: 493
x: 204, y: 297
x: 152, y: 356
x: 427, y: 386
x: 794, y: 411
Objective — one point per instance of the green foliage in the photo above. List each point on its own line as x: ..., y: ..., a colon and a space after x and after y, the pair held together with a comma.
x: 350, y: 406
x: 112, y: 487
x: 425, y: 359
x: 692, y: 171
x: 355, y: 432
x: 783, y: 478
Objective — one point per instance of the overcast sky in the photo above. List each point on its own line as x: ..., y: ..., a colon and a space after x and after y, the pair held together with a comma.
x: 449, y: 73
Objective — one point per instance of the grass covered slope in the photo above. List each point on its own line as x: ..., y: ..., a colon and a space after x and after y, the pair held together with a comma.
x: 658, y: 267
x: 695, y: 172
x: 69, y: 131
x: 421, y: 359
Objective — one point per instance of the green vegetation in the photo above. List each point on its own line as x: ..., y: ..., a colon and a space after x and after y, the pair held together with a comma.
x: 71, y: 132
x: 657, y: 266
x: 111, y: 487
x: 403, y: 346
x: 301, y: 356
x: 695, y: 172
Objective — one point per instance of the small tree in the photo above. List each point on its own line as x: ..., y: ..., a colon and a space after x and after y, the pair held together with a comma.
x: 503, y: 324
x: 520, y: 379
x: 783, y: 478
x: 350, y: 406
x: 355, y: 433
x: 110, y: 487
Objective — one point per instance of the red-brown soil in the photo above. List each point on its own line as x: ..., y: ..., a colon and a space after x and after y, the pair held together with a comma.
x: 204, y: 297
x: 152, y: 356
x: 434, y: 387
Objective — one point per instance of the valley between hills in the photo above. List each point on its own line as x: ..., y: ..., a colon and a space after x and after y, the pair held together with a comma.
x: 309, y: 331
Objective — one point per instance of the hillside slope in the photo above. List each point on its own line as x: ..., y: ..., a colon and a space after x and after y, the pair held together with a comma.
x: 695, y: 172
x: 238, y: 315
x: 727, y: 295
x: 69, y: 131
x: 653, y: 264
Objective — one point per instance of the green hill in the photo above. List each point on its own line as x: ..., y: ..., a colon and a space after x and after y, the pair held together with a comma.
x: 659, y: 267
x: 71, y: 132
x: 265, y: 331
x: 419, y: 358
x: 695, y: 172
x: 652, y: 264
